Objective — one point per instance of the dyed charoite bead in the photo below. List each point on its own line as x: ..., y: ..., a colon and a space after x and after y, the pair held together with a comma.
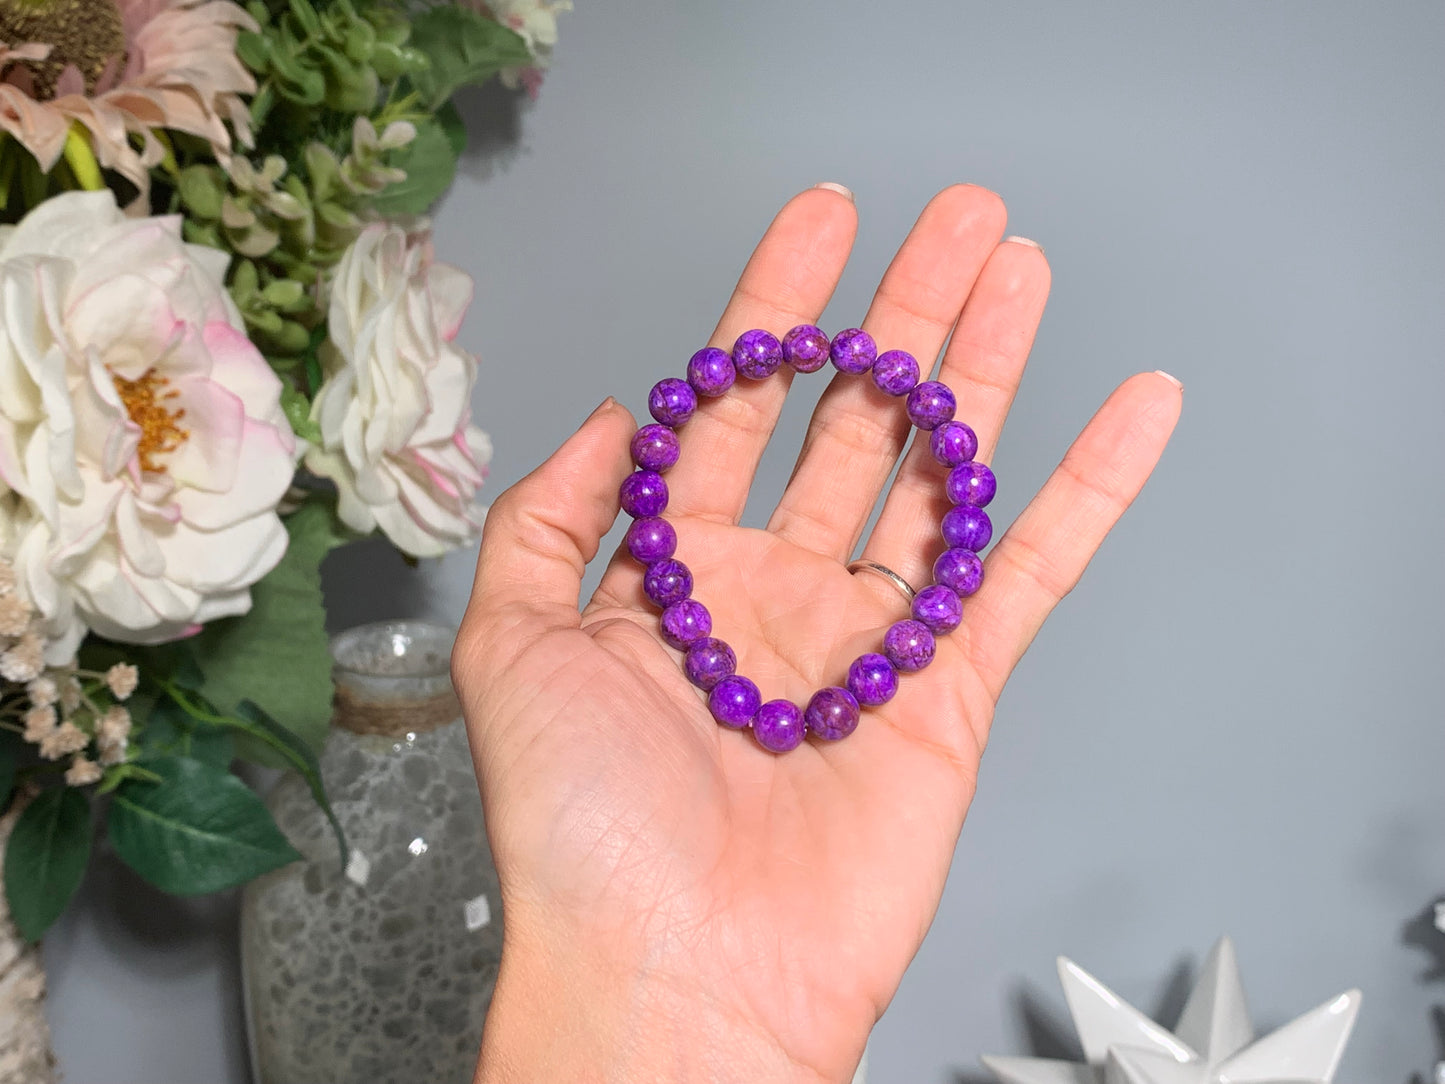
x: 953, y: 443
x: 778, y: 726
x: 853, y: 351
x: 908, y: 645
x: 895, y: 372
x: 711, y: 372
x: 967, y: 527
x: 655, y: 447
x: 971, y: 483
x: 939, y: 607
x: 805, y: 348
x: 672, y: 402
x: 831, y: 714
x: 872, y: 679
x: 643, y: 493
x: 959, y: 569
x: 734, y: 701
x: 686, y: 622
x: 651, y: 539
x: 708, y: 661
x: 757, y: 354
x: 667, y: 581
x: 931, y: 404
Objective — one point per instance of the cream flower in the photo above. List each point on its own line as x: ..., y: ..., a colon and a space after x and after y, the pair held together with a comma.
x: 83, y: 772
x: 394, y: 410
x: 112, y: 733
x: 122, y: 678
x: 121, y: 69
x: 65, y: 739
x: 143, y: 449
x: 535, y: 21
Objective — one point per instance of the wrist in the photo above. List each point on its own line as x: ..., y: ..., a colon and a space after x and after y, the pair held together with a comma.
x: 592, y: 1008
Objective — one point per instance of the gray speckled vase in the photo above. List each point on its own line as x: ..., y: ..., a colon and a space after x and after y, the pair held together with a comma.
x: 382, y: 972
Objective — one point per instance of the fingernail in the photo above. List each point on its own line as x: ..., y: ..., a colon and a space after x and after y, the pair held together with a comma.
x: 834, y: 186
x: 1016, y: 239
x: 1171, y: 378
x: 600, y: 408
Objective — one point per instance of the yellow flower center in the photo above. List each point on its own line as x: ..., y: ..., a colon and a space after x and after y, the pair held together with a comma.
x: 148, y: 401
x: 86, y: 33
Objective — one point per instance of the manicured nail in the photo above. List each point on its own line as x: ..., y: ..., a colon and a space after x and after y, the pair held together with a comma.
x: 834, y: 186
x: 1172, y: 379
x: 1016, y: 239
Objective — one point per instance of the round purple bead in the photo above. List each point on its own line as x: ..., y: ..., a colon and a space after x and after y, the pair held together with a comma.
x: 908, y: 645
x: 832, y: 713
x: 853, y: 351
x: 643, y: 493
x: 685, y: 623
x: 667, y: 582
x: 931, y: 404
x: 959, y: 569
x: 895, y: 372
x: 651, y: 539
x: 655, y: 447
x: 872, y: 679
x: 734, y: 701
x: 757, y: 354
x: 778, y: 726
x: 953, y: 443
x: 939, y: 607
x: 671, y: 401
x: 967, y: 527
x: 708, y: 662
x: 971, y: 483
x: 805, y: 348
x: 711, y: 372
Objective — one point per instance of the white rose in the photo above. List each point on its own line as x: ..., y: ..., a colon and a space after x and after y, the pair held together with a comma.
x: 143, y: 449
x: 394, y: 410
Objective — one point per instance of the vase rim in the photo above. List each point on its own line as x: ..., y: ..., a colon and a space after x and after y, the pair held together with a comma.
x: 396, y: 648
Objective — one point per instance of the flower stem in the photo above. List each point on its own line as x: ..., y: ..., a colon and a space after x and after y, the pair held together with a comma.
x: 81, y: 160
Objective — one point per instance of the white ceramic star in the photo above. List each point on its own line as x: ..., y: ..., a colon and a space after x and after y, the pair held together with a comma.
x: 1213, y: 1042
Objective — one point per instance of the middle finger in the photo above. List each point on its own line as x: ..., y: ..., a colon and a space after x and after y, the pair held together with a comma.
x: 825, y: 506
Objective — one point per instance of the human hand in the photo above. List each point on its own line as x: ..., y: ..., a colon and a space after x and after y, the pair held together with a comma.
x: 679, y: 903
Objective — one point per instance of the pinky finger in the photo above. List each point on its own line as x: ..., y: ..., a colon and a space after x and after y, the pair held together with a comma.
x: 1045, y: 552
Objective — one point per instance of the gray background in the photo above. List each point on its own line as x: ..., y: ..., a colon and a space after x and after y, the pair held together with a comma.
x: 1234, y: 724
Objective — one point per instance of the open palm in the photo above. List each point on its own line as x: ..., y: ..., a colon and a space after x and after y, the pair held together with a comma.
x: 718, y: 905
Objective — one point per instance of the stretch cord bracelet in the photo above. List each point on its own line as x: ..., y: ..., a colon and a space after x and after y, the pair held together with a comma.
x: 908, y: 645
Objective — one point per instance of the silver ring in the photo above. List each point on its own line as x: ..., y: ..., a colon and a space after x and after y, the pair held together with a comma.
x: 888, y: 574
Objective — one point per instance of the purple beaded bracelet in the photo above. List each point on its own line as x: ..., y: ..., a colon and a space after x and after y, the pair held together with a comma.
x: 908, y: 645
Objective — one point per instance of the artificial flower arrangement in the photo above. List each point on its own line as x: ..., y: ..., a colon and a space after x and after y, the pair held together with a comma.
x: 225, y: 349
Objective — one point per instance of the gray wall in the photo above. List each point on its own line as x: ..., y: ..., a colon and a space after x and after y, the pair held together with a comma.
x: 1234, y: 724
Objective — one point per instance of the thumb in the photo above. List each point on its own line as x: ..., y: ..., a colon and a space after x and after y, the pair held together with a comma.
x: 540, y: 534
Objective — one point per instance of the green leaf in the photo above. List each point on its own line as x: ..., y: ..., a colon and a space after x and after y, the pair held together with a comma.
x: 254, y: 50
x: 298, y: 412
x: 277, y: 654
x: 306, y: 764
x: 430, y: 164
x: 463, y: 48
x: 11, y: 745
x: 200, y: 829
x: 454, y: 127
x: 45, y: 859
x: 169, y: 731
x: 202, y: 191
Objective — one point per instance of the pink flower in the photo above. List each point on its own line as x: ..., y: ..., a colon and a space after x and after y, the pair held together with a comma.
x: 395, y: 411
x: 143, y: 449
x: 121, y: 70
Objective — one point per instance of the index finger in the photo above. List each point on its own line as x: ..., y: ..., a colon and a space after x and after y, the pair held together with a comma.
x: 787, y: 281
